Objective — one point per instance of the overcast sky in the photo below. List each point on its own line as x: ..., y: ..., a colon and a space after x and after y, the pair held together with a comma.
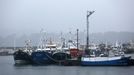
x: 29, y: 16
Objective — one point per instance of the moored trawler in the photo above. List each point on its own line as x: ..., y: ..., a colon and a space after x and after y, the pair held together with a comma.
x: 105, y: 61
x: 61, y: 54
x: 61, y: 57
x: 43, y: 56
x: 98, y: 57
x: 23, y: 56
x: 95, y: 55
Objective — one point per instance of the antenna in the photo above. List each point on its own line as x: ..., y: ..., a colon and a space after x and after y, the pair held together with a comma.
x: 41, y: 43
x: 14, y: 42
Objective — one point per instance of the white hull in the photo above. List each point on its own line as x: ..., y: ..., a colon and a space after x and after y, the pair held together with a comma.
x: 100, y: 58
x: 117, y: 60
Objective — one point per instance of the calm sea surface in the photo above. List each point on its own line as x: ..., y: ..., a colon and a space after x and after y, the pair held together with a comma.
x: 7, y: 67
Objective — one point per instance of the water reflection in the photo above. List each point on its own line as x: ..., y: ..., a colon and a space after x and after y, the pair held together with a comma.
x: 7, y: 67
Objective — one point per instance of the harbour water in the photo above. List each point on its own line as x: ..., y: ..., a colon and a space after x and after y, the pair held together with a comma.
x: 7, y: 67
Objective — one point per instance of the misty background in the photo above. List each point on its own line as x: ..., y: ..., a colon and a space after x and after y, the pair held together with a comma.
x: 21, y: 20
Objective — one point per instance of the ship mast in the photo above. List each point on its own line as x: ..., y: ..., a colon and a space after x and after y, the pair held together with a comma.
x: 89, y: 13
x: 77, y: 39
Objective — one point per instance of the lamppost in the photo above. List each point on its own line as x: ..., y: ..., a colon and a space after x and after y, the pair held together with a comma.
x: 89, y: 13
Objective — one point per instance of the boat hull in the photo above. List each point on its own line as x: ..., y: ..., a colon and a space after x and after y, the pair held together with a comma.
x: 21, y: 57
x: 42, y: 58
x: 117, y: 62
x: 59, y: 56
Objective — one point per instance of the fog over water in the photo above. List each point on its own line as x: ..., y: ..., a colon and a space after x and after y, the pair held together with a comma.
x: 23, y: 19
x: 29, y: 16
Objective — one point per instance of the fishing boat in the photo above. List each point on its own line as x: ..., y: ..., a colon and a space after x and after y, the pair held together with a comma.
x: 105, y: 61
x: 96, y: 56
x: 23, y: 56
x: 61, y: 56
x: 62, y: 53
x: 43, y: 55
x: 69, y: 54
x: 99, y: 56
x: 73, y: 47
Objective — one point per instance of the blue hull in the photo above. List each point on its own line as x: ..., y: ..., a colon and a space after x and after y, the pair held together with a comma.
x: 120, y: 62
x: 41, y: 58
